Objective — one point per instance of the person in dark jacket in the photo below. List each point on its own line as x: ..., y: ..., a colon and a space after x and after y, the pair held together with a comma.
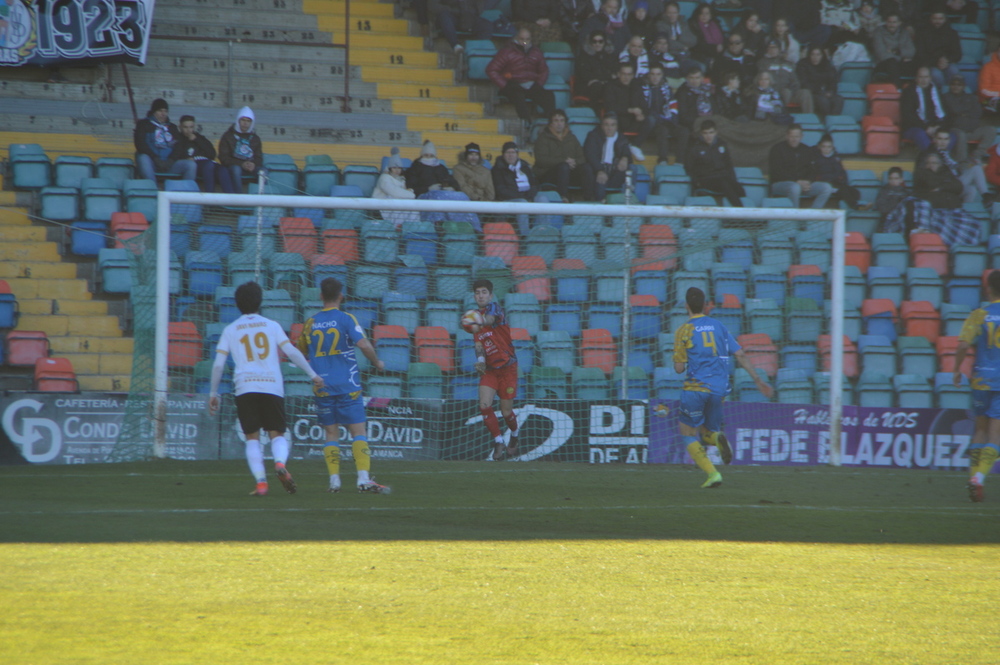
x: 729, y: 99
x: 734, y: 59
x: 921, y: 110
x: 541, y: 16
x: 753, y: 33
x: 935, y: 184
x: 939, y: 48
x: 429, y: 174
x: 459, y: 15
x: 596, y: 66
x: 640, y: 23
x: 558, y: 155
x: 792, y: 170
x: 240, y: 148
x: 818, y: 75
x: 709, y: 165
x: 680, y: 39
x: 662, y: 109
x: 709, y: 33
x: 891, y: 194
x: 966, y: 114
x: 514, y: 180
x: 154, y: 138
x: 520, y: 72
x: 695, y: 100
x: 608, y: 157
x: 829, y: 169
x: 623, y: 97
x: 192, y: 145
x: 606, y: 21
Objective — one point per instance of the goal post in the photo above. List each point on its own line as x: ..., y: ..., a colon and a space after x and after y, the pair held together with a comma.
x: 836, y: 218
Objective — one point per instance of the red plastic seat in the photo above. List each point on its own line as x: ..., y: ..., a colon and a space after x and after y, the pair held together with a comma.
x: 298, y: 235
x: 657, y: 241
x: 929, y: 251
x: 881, y: 135
x: 876, y: 306
x: 920, y: 319
x: 342, y: 243
x: 125, y: 225
x: 500, y: 240
x: 434, y: 345
x: 946, y: 347
x: 850, y: 355
x: 598, y: 349
x: 569, y: 264
x: 531, y: 276
x: 184, y: 344
x: 857, y: 251
x: 761, y: 352
x: 883, y: 100
x: 389, y: 332
x: 25, y: 347
x: 55, y: 375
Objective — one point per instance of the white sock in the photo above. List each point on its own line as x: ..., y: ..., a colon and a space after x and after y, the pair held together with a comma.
x: 255, y: 460
x: 279, y: 449
x: 363, y: 477
x: 499, y: 439
x: 335, y: 481
x: 514, y: 432
x: 979, y: 478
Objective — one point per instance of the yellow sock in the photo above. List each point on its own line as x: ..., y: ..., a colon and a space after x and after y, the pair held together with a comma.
x: 711, y: 439
x: 974, y: 456
x: 697, y: 453
x: 331, y: 453
x: 362, y: 458
x: 987, y: 458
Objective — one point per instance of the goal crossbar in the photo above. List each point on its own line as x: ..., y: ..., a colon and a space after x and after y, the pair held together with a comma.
x: 838, y: 218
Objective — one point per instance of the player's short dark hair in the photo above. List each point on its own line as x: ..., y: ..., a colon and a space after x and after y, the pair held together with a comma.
x: 248, y: 297
x: 826, y: 138
x: 994, y: 282
x: 794, y: 125
x: 331, y: 288
x: 558, y: 113
x: 695, y: 299
x: 185, y: 118
x: 483, y: 284
x: 896, y: 170
x: 942, y: 130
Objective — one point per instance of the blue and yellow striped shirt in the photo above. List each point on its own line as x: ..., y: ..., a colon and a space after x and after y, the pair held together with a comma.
x: 982, y: 329
x: 328, y: 340
x: 706, y: 346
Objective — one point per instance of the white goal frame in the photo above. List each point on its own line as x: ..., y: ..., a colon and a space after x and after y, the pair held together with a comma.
x: 838, y: 218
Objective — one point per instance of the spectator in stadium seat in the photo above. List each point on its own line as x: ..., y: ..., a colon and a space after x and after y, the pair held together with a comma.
x: 734, y: 59
x: 763, y: 101
x: 660, y: 55
x: 804, y: 16
x: 708, y: 31
x: 793, y: 170
x: 155, y: 138
x: 192, y: 145
x: 640, y: 23
x: 623, y: 97
x: 784, y: 78
x: 939, y: 48
x: 729, y: 101
x: 429, y: 174
x: 818, y: 75
x: 869, y: 21
x: 921, y: 110
x: 558, y: 155
x: 788, y: 46
x: 908, y: 11
x: 970, y: 174
x: 993, y: 165
x: 607, y: 20
x: 540, y: 15
x: 473, y: 177
x: 752, y: 32
x: 240, y: 148
x: 608, y: 156
x: 966, y: 115
x: 935, y: 206
x: 830, y: 169
x: 514, y: 180
x: 520, y: 72
x: 989, y: 83
x: 710, y: 166
x: 392, y: 185
x: 695, y: 101
x: 935, y: 183
x: 453, y: 16
x: 662, y: 112
x: 635, y: 54
x: 596, y: 66
x: 680, y: 39
x: 893, y: 51
x: 967, y: 11
x: 891, y: 194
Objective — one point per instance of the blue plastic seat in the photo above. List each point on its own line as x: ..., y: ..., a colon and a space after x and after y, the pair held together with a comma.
x: 204, y: 271
x: 88, y: 238
x: 885, y: 282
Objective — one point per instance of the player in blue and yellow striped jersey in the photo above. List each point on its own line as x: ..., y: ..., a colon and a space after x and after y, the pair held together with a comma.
x: 705, y: 349
x: 982, y: 329
x: 329, y: 339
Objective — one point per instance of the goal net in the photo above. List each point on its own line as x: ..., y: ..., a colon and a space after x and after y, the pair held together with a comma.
x: 593, y: 294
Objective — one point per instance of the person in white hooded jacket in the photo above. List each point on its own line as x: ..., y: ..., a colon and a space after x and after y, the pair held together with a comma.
x: 240, y: 148
x: 392, y: 185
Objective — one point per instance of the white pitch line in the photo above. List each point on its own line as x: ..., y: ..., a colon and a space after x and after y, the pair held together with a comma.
x: 940, y: 510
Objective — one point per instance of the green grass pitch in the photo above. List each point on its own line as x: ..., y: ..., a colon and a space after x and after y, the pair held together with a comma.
x: 172, y: 562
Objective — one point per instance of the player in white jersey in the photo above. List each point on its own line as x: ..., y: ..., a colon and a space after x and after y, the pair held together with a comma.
x: 253, y: 342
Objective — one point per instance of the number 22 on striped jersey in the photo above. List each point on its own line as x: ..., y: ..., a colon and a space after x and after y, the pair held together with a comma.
x: 330, y: 350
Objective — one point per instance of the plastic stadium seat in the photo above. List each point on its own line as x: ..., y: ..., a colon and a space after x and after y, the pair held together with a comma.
x: 877, y: 354
x: 728, y: 278
x: 946, y: 347
x: 499, y: 239
x: 460, y: 243
x: 543, y: 241
x: 760, y: 351
x: 572, y: 280
x: 649, y: 278
x: 115, y: 169
x: 55, y: 375
x: 924, y: 284
x: 948, y: 395
x: 362, y: 176
x: 850, y: 355
x: 204, y: 272
x: 193, y: 213
x: 434, y: 345
x: 493, y: 269
x: 319, y: 175
x: 298, y: 235
x: 879, y: 317
x: 805, y: 320
x: 606, y: 316
x: 883, y: 100
x: 964, y: 291
x: 885, y: 282
x: 393, y: 345
x: 645, y: 324
x: 185, y: 344
x: 531, y: 275
x: 420, y: 239
x: 478, y: 53
x: 424, y: 380
x: 657, y: 241
x: 968, y: 260
x: 928, y: 251
x: 564, y: 317
x: 881, y: 136
x: 60, y: 204
x: 855, y: 288
x: 342, y: 243
x: 920, y: 319
x: 874, y: 390
x: 523, y: 311
x: 278, y: 306
x: 381, y: 242
x: 100, y: 199
x: 465, y: 387
x: 70, y: 170
x: 400, y: 309
x: 288, y: 271
x: 857, y: 252
x: 126, y: 225
x: 24, y: 347
x: 807, y: 281
x: 30, y: 166
x: 556, y: 349
x: 953, y: 316
x: 548, y: 383
x: 637, y: 383
x: 598, y: 349
x: 579, y: 243
x: 916, y: 355
x: 590, y: 383
x: 889, y: 249
x: 88, y: 238
x: 325, y: 265
x: 116, y: 274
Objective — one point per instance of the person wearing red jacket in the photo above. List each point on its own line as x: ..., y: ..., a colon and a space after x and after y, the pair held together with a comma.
x: 989, y: 83
x: 519, y: 70
x: 993, y: 166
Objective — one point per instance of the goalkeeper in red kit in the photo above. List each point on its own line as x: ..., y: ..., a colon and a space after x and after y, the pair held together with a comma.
x: 497, y: 366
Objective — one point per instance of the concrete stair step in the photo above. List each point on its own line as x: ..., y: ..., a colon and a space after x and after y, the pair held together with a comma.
x: 463, y: 138
x: 35, y: 252
x: 11, y: 216
x: 326, y: 7
x: 230, y: 14
x: 195, y: 28
x: 205, y: 66
x: 362, y: 25
x: 105, y: 384
x: 68, y: 287
x: 40, y: 270
x: 437, y: 108
x: 382, y: 9
x: 426, y: 77
x: 452, y: 124
x: 20, y: 234
x: 100, y: 363
x: 63, y: 306
x: 87, y: 344
x: 56, y: 325
x: 419, y: 91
